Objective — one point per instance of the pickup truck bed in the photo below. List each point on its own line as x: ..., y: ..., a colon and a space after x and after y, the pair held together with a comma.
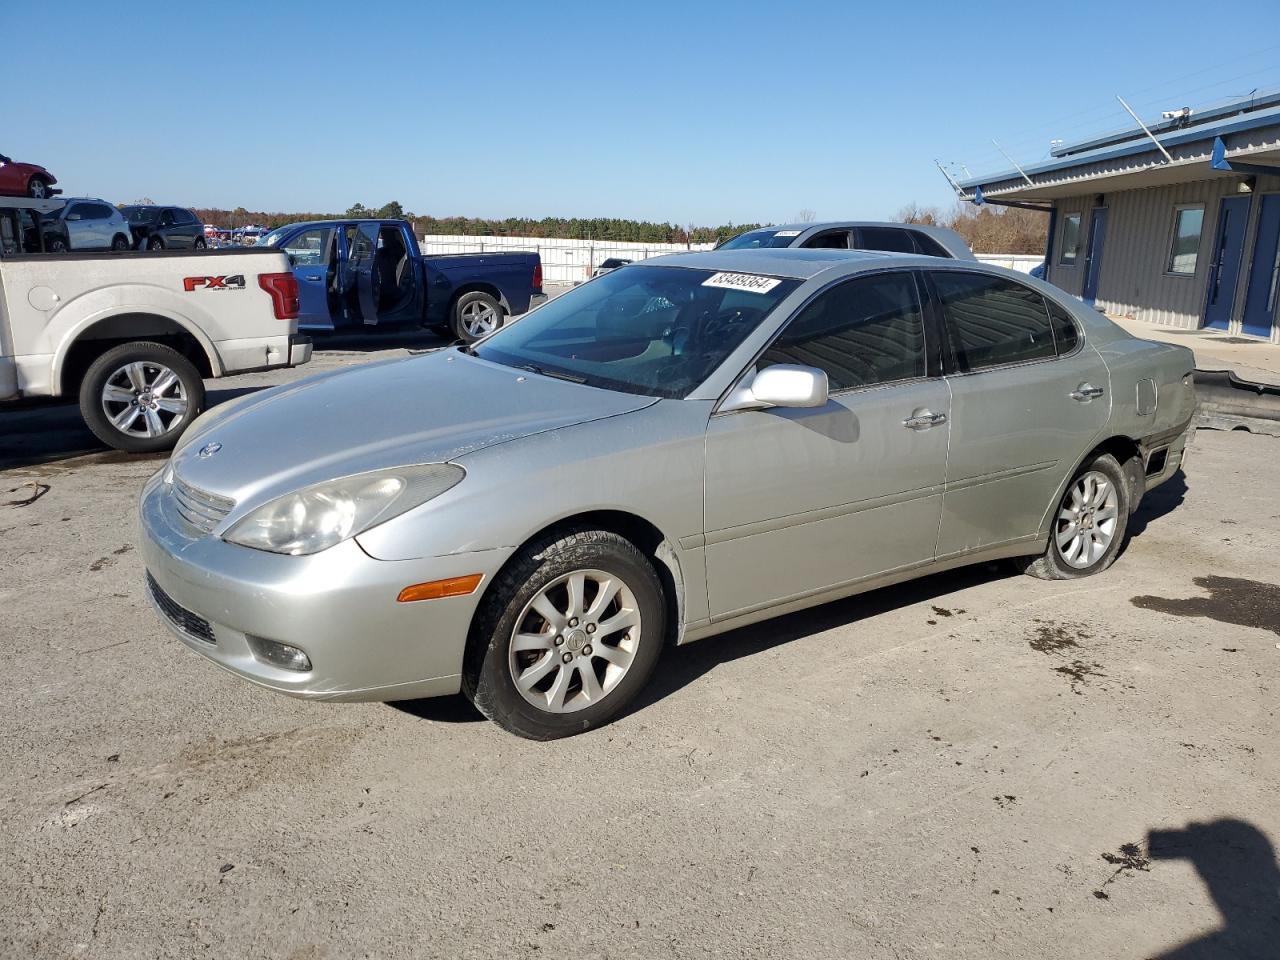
x: 132, y: 334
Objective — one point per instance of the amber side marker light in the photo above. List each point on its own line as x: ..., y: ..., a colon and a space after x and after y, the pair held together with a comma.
x: 436, y: 589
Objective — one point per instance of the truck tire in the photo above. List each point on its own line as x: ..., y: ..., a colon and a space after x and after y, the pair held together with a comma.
x: 139, y: 397
x: 476, y: 314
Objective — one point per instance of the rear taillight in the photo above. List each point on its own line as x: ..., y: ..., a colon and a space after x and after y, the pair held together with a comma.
x: 537, y: 277
x: 283, y: 288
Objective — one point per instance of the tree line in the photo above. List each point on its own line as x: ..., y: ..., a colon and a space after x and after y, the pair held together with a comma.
x: 986, y: 229
x: 559, y: 228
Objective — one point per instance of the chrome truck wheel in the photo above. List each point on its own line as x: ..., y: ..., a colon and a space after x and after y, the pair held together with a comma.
x: 139, y: 397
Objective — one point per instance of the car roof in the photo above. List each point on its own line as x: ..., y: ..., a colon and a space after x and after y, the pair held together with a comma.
x: 793, y: 262
x: 948, y: 238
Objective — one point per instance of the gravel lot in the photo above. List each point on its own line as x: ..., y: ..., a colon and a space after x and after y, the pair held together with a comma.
x: 974, y: 765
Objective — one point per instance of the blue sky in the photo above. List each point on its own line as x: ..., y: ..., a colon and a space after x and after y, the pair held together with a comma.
x: 689, y: 112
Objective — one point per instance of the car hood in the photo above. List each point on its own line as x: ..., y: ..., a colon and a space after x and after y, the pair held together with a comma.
x: 424, y: 409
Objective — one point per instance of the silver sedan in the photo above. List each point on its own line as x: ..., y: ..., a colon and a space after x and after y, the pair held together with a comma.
x: 678, y: 448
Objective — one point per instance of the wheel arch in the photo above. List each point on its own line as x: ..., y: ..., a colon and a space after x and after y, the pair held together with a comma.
x: 644, y: 534
x: 95, y: 336
x: 477, y: 286
x: 1128, y: 454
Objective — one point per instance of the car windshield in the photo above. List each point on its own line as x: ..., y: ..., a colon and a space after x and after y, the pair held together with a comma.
x: 655, y: 331
x: 141, y: 214
x: 755, y: 239
x: 273, y: 238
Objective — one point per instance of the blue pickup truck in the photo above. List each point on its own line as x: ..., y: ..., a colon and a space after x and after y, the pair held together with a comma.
x: 362, y: 273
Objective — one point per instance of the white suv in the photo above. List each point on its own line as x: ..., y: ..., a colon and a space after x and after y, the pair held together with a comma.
x: 85, y: 223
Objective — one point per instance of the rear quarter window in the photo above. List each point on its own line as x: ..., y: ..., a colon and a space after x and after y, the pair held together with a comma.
x: 992, y: 321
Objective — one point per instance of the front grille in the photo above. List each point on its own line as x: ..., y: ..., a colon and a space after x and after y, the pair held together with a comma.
x: 200, y: 509
x: 189, y: 623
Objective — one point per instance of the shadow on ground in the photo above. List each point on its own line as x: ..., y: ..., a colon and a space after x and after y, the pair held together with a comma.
x: 1237, y: 864
x: 45, y: 433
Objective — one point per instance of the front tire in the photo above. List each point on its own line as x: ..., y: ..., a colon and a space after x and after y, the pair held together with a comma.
x: 1089, y: 523
x: 139, y: 397
x: 566, y: 636
x: 475, y: 315
x: 199, y: 244
x: 38, y: 188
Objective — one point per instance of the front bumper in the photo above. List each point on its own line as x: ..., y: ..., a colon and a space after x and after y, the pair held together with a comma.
x: 339, y: 606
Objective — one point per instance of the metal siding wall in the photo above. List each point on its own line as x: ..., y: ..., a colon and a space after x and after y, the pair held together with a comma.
x: 1133, y: 281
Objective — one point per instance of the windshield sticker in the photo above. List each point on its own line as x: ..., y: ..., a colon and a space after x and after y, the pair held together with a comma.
x: 787, y: 233
x: 742, y: 281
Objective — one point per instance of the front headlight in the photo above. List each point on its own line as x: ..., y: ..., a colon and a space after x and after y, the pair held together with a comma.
x: 317, y: 517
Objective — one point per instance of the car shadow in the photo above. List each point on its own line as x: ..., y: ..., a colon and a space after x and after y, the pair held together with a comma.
x: 374, y: 340
x: 681, y: 666
x: 1160, y: 502
x: 1236, y: 862
x: 34, y: 434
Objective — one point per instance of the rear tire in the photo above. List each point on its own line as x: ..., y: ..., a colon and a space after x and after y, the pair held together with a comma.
x: 155, y: 243
x: 199, y: 244
x: 119, y: 243
x: 547, y: 676
x: 1088, y: 526
x: 475, y: 315
x: 139, y: 397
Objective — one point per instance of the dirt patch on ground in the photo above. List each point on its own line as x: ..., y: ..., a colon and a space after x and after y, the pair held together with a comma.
x: 1245, y: 603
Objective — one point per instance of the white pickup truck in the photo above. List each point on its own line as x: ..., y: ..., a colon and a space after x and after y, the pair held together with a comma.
x: 134, y: 334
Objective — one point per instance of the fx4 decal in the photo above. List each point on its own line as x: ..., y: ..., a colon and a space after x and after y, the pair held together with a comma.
x: 213, y: 283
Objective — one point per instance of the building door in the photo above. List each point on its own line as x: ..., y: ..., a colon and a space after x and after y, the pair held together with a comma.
x: 1264, y: 275
x: 1093, y: 254
x: 1224, y: 269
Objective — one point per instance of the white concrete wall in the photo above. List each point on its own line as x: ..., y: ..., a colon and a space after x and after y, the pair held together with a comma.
x: 563, y: 261
x: 1022, y: 262
x: 571, y: 261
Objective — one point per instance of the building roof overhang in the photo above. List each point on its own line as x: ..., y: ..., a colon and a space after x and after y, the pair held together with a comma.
x: 1249, y: 140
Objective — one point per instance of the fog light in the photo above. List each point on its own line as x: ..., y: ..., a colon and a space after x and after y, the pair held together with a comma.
x: 279, y: 654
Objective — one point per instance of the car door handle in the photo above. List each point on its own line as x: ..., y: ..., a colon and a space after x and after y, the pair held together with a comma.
x: 924, y: 420
x: 1086, y: 392
x: 313, y: 279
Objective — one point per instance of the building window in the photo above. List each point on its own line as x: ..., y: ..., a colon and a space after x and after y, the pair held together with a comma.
x: 1185, y: 249
x: 1070, y: 244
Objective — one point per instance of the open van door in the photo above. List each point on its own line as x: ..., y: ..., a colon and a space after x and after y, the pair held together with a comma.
x: 364, y: 254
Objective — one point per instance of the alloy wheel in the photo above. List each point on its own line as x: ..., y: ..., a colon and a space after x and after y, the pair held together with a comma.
x: 479, y: 319
x: 144, y: 399
x: 575, y: 641
x: 1087, y: 520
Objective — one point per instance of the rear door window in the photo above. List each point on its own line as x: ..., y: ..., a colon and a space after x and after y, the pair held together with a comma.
x: 927, y: 245
x: 865, y: 331
x: 889, y: 239
x: 828, y: 240
x: 992, y: 321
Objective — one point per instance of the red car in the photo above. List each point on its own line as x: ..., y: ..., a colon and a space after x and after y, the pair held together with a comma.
x: 25, y: 180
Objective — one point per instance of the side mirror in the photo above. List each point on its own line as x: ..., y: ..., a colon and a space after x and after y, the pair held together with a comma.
x: 781, y: 385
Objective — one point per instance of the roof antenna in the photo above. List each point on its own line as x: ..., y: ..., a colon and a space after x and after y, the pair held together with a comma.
x: 1159, y: 145
x: 1030, y: 182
